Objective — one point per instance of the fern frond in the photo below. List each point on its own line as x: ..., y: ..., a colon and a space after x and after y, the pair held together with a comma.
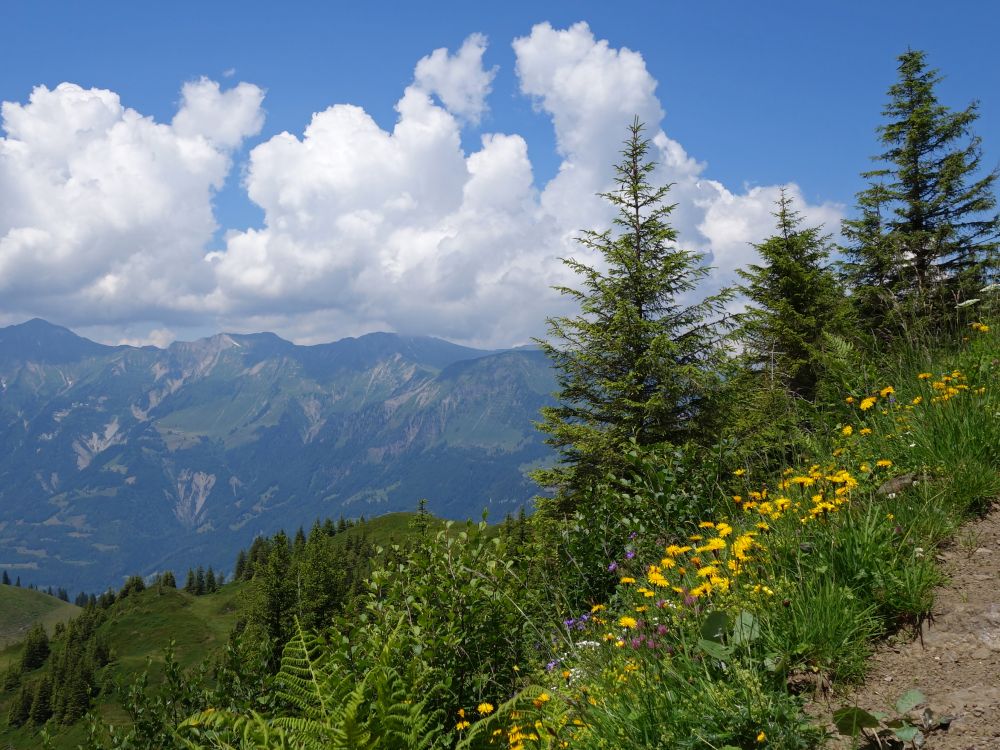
x: 304, y: 679
x: 224, y: 730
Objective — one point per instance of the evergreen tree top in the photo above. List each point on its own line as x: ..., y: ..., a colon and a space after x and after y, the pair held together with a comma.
x: 634, y: 363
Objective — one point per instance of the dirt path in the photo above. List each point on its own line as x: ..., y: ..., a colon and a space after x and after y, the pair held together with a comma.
x: 958, y: 665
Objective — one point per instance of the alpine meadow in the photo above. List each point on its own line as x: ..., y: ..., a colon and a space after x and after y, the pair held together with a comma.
x: 701, y: 514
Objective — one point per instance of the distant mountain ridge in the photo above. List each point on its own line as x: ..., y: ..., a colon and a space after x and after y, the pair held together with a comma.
x: 120, y: 459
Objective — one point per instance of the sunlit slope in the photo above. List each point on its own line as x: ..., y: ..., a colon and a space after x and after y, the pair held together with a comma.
x: 21, y: 608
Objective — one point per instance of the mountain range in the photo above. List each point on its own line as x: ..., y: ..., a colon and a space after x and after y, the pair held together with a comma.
x: 119, y: 460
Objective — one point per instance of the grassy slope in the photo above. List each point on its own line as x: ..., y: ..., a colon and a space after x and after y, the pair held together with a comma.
x: 395, y: 528
x: 21, y: 608
x: 139, y: 628
x: 834, y: 581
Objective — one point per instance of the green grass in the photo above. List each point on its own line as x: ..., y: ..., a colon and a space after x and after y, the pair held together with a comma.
x: 139, y: 628
x: 828, y: 575
x: 21, y: 608
x: 397, y: 528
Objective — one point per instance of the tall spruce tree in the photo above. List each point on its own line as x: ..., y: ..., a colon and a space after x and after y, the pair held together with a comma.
x: 794, y: 298
x: 41, y: 702
x: 36, y: 648
x: 927, y: 235
x: 636, y: 363
x: 20, y: 706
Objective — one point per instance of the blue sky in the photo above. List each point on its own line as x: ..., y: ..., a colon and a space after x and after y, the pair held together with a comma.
x: 759, y: 94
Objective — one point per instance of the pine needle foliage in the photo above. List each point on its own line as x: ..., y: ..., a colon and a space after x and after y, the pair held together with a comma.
x: 794, y: 298
x: 637, y: 363
x: 928, y: 233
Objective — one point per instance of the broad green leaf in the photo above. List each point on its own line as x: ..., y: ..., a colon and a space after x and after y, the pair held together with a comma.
x: 906, y: 733
x: 746, y: 630
x: 714, y: 649
x: 909, y: 700
x: 850, y: 720
x: 715, y: 626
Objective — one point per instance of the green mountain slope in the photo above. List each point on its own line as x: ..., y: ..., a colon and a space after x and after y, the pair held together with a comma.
x: 122, y: 460
x: 21, y: 608
x: 138, y: 629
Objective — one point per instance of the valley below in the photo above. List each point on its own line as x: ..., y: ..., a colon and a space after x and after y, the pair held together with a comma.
x: 135, y: 460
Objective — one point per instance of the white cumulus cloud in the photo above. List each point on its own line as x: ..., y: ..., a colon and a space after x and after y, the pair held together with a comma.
x: 459, y: 80
x: 106, y: 215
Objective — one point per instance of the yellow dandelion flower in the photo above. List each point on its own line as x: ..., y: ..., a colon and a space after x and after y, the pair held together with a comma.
x: 706, y: 525
x: 866, y: 430
x: 711, y: 545
x: 761, y: 737
x: 917, y: 401
x: 868, y: 403
x: 883, y: 463
x: 849, y: 399
x: 887, y: 391
x: 847, y: 431
x: 485, y: 709
x: 739, y: 472
x: 627, y: 580
x: 720, y: 583
x: 627, y: 622
x: 924, y: 376
x: 657, y: 579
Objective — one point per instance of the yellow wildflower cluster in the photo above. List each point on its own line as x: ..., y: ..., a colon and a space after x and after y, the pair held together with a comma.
x: 709, y: 567
x: 949, y: 385
x: 714, y: 561
x: 980, y: 327
x: 518, y: 735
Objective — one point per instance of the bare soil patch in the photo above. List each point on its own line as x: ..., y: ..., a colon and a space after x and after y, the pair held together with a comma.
x: 956, y: 661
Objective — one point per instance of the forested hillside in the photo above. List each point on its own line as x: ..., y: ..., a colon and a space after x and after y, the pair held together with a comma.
x: 122, y: 460
x: 746, y: 501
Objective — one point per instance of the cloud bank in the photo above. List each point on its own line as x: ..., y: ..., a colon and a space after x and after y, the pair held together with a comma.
x: 106, y: 216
